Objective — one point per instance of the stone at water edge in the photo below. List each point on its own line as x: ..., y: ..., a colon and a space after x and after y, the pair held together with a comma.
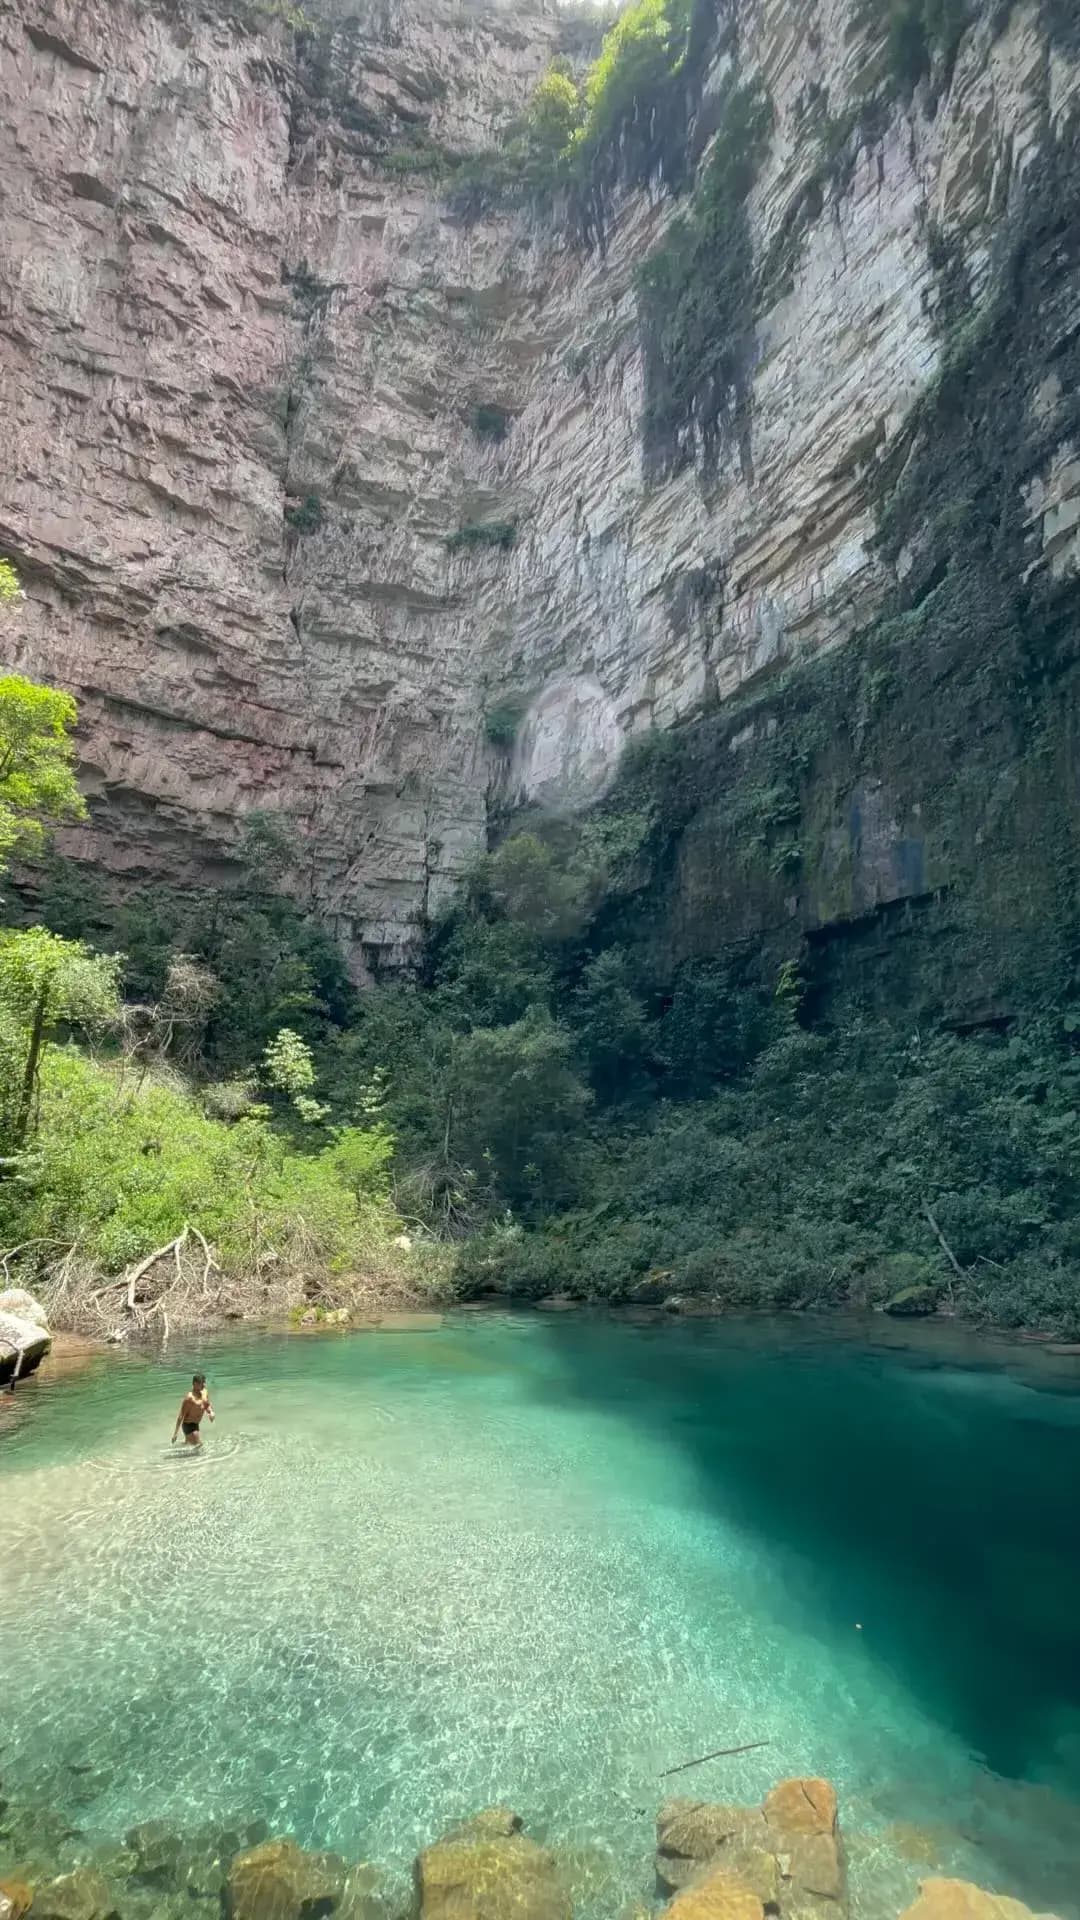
x: 16, y: 1899
x: 815, y: 1866
x: 786, y: 1852
x: 962, y: 1900
x: 801, y: 1817
x: 911, y: 1302
x: 718, y: 1895
x: 157, y: 1850
x: 279, y: 1881
x: 23, y: 1305
x: 692, y: 1833
x: 25, y: 1338
x: 801, y: 1806
x: 488, y: 1870
x: 84, y: 1894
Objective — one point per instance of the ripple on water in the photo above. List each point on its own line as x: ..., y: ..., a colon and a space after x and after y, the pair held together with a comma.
x: 395, y: 1590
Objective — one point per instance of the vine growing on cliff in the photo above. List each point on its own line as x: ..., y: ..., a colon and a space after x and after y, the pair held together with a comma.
x: 696, y: 301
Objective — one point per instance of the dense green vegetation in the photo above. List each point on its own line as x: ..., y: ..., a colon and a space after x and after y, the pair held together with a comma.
x: 306, y: 515
x: 272, y: 966
x: 627, y: 119
x: 483, y: 533
x: 37, y: 784
x: 118, y: 1141
x: 592, y: 1130
x: 121, y: 1164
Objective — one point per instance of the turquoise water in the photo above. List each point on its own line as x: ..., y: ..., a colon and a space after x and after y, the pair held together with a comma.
x: 539, y: 1559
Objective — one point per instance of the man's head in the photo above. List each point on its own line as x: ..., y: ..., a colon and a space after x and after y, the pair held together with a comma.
x: 198, y: 1380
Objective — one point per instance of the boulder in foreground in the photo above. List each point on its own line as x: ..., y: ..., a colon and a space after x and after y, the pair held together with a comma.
x: 718, y: 1895
x: 489, y: 1870
x: 280, y: 1881
x: 961, y: 1900
x: 82, y: 1895
x: 692, y: 1833
x: 24, y: 1336
x: 786, y: 1854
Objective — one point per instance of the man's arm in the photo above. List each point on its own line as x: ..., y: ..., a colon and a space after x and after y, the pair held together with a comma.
x: 209, y: 1408
x: 179, y: 1418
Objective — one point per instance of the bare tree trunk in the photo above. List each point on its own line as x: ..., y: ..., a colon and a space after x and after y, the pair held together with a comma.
x: 30, y: 1071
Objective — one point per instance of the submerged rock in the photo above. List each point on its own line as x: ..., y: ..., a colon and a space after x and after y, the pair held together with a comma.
x: 492, y: 1823
x: 84, y: 1894
x: 360, y: 1896
x: 801, y: 1806
x: 910, y: 1302
x: 961, y: 1900
x: 691, y: 1833
x: 786, y: 1853
x: 489, y: 1870
x: 157, y: 1850
x: 801, y: 1817
x: 717, y: 1895
x: 279, y: 1881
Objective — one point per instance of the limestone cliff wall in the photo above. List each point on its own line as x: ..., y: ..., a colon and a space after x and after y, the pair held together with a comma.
x: 240, y: 356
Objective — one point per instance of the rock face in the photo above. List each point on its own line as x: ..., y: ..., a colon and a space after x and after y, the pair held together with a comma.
x: 489, y: 1870
x: 241, y: 355
x: 24, y: 1335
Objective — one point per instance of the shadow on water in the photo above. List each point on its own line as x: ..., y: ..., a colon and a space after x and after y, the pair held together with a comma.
x: 930, y: 1502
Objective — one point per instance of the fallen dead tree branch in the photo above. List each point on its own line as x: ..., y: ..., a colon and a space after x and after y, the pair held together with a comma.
x: 143, y: 1267
x: 185, y: 1284
x: 719, y: 1753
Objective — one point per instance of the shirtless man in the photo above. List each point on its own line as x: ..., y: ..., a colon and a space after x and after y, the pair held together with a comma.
x: 192, y: 1407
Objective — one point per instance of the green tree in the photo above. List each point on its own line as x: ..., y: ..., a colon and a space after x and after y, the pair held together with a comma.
x: 45, y: 983
x: 37, y: 784
x: 611, y: 1026
x: 554, y: 114
x: 518, y: 1105
x: 524, y: 881
x: 290, y: 1070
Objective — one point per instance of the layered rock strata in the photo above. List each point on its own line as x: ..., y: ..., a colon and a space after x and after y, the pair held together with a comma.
x: 245, y: 335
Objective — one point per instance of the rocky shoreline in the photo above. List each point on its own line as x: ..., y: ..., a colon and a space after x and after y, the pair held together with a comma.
x: 946, y: 1335
x: 782, y: 1860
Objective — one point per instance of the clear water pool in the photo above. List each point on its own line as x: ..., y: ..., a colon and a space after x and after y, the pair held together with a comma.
x: 537, y: 1560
